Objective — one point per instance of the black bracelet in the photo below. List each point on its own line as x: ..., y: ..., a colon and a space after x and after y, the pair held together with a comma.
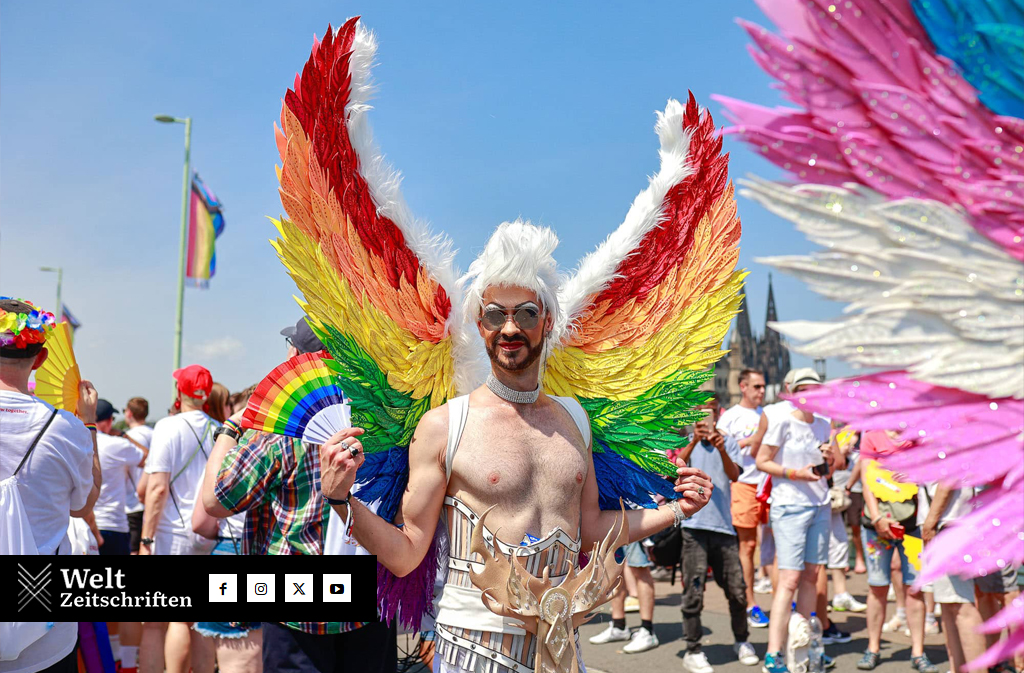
x: 226, y: 430
x: 332, y: 501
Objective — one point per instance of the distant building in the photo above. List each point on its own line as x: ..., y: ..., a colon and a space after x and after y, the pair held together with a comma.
x: 766, y: 353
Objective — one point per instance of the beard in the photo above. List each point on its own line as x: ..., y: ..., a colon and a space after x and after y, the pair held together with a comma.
x: 518, y: 360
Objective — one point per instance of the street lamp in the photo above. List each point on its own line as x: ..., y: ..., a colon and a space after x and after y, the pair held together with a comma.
x: 185, y: 184
x: 59, y: 270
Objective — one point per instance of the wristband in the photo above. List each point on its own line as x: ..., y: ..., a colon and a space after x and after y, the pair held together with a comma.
x: 677, y: 512
x: 877, y: 519
x: 227, y: 430
x: 788, y: 473
x: 146, y: 541
x: 234, y: 426
x: 91, y: 427
x: 332, y: 501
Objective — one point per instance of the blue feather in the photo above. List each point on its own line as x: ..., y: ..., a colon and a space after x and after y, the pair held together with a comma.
x: 383, y: 477
x: 618, y: 477
x: 985, y: 39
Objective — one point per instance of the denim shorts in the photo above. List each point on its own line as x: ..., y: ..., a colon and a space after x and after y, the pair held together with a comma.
x: 230, y: 630
x: 878, y: 555
x: 636, y: 557
x: 801, y: 534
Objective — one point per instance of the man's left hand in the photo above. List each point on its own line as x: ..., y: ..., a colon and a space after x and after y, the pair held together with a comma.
x: 695, y: 487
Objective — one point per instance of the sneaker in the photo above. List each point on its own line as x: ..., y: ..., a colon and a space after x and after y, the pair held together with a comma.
x: 746, y: 654
x: 632, y: 604
x: 891, y: 596
x: 763, y: 586
x: 696, y: 662
x: 610, y: 635
x: 756, y: 618
x: 922, y: 664
x: 869, y: 661
x: 828, y: 661
x: 895, y: 625
x: 641, y: 641
x: 845, y: 602
x: 661, y: 574
x: 931, y: 625
x: 774, y: 662
x: 833, y: 635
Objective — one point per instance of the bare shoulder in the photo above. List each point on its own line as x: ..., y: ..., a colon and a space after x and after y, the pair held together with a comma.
x: 431, y: 436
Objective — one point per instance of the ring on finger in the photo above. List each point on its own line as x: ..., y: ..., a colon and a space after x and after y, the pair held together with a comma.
x: 344, y: 444
x: 353, y: 450
x: 700, y: 490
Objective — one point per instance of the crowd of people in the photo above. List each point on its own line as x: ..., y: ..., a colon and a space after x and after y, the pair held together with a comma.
x: 793, y: 484
x: 790, y: 498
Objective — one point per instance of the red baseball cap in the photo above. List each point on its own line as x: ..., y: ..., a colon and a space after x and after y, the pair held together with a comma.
x: 194, y: 381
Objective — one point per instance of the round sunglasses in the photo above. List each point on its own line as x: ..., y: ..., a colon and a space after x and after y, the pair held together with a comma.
x: 525, y: 318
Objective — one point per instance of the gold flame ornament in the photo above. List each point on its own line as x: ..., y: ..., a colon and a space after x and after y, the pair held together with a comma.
x: 550, y: 612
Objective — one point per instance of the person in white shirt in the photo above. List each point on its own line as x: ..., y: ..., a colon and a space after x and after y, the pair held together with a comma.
x: 117, y: 457
x: 797, y: 454
x: 49, y: 472
x: 740, y: 422
x: 177, y: 457
x: 140, y: 434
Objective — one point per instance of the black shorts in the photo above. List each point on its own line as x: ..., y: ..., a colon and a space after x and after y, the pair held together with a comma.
x: 853, y: 512
x: 134, y: 531
x: 372, y: 648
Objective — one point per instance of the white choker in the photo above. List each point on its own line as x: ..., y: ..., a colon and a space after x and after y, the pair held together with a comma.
x: 510, y: 395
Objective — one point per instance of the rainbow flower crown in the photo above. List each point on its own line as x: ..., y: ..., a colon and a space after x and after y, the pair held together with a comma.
x: 20, y: 330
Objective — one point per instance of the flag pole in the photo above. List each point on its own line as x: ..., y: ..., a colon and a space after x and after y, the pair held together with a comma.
x: 185, y: 193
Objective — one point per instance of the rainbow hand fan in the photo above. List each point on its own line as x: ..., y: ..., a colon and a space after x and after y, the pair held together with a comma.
x: 300, y: 399
x: 57, y: 380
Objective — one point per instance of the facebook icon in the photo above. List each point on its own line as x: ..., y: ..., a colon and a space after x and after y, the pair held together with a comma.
x: 223, y: 588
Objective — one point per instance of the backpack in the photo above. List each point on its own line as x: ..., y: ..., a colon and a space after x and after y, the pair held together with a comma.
x: 16, y: 539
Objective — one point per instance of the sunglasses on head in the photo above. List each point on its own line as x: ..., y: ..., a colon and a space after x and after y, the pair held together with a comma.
x: 526, y: 317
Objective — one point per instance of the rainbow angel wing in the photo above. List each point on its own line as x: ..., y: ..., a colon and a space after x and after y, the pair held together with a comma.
x: 913, y: 185
x: 300, y: 398
x: 375, y: 283
x: 57, y: 380
x: 649, y: 309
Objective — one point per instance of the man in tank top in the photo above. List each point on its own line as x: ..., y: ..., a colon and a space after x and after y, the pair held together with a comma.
x: 506, y: 445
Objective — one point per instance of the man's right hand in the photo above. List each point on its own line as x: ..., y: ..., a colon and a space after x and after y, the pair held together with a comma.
x: 337, y: 464
x: 87, y: 399
x: 806, y: 474
x: 882, y: 529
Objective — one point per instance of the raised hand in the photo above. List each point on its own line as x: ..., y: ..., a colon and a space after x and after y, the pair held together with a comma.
x: 340, y: 457
x: 87, y: 399
x: 695, y: 487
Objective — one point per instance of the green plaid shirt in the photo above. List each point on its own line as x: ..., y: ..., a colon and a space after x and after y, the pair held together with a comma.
x: 275, y: 480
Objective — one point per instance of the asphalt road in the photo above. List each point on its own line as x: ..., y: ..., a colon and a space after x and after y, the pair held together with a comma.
x: 718, y: 640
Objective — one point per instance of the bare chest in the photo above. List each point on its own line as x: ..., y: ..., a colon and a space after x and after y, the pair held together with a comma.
x: 505, y: 458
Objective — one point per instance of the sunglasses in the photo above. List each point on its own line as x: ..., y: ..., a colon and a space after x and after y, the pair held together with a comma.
x: 525, y: 317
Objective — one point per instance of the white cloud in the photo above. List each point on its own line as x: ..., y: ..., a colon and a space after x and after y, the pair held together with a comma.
x: 227, y: 348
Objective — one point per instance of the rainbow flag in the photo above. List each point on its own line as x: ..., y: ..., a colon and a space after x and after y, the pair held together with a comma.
x: 205, y: 224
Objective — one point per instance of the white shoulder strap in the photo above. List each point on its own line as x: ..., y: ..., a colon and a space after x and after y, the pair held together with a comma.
x: 575, y: 409
x: 458, y: 412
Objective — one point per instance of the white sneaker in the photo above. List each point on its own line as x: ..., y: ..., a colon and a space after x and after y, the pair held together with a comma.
x: 746, y: 654
x: 845, y: 602
x: 641, y: 641
x: 763, y: 586
x: 610, y: 635
x: 696, y: 662
x: 632, y: 604
x: 895, y: 625
x: 931, y: 625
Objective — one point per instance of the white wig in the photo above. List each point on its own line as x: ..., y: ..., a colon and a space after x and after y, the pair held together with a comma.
x: 518, y: 254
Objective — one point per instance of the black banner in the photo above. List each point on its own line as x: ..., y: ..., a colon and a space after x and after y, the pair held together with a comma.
x: 193, y: 588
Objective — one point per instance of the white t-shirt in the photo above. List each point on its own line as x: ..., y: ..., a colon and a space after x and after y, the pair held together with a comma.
x: 57, y: 477
x: 117, y: 457
x: 957, y: 507
x: 740, y: 423
x: 176, y: 449
x: 56, y: 644
x: 798, y: 444
x: 143, y: 434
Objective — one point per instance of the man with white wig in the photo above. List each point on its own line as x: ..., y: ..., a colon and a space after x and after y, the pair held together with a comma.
x: 507, y: 450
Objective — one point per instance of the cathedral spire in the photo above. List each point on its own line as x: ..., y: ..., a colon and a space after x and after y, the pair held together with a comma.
x: 771, y: 317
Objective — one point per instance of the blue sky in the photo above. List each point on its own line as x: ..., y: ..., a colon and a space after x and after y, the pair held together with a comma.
x: 539, y: 110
